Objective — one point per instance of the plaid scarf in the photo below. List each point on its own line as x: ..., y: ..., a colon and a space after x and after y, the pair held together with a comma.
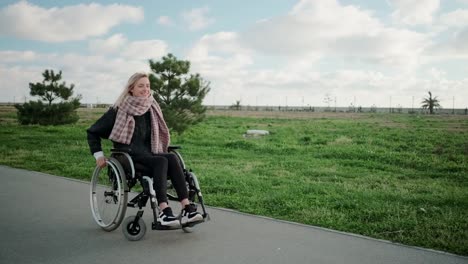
x: 124, y: 125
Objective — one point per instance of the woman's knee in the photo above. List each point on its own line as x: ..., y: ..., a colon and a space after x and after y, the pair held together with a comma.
x: 172, y: 158
x: 155, y: 163
x: 158, y: 160
x: 150, y: 160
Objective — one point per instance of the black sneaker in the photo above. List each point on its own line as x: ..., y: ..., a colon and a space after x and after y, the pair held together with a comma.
x: 167, y: 218
x: 190, y: 214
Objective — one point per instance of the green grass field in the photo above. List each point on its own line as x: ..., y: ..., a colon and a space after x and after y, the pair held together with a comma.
x: 397, y: 177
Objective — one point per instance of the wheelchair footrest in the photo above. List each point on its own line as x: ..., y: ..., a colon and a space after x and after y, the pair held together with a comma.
x: 158, y: 226
x: 192, y: 224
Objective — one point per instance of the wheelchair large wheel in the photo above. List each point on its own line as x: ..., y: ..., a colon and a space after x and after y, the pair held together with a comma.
x: 108, y: 195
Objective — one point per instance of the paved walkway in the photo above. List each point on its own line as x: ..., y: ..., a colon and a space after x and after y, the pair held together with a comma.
x: 46, y: 219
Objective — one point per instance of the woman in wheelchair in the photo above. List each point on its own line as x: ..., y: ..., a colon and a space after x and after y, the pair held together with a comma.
x: 135, y: 122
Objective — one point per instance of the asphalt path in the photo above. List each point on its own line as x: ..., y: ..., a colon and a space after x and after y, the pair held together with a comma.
x: 47, y: 219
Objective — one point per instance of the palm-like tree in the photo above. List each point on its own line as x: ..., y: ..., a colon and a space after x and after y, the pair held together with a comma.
x: 430, y: 103
x: 237, y: 105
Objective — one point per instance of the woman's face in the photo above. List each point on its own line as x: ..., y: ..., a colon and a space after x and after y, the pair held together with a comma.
x: 141, y: 88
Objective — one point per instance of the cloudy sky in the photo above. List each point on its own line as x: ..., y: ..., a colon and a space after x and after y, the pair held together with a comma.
x: 282, y: 52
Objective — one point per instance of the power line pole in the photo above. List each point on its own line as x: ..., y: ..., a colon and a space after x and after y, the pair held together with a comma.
x: 354, y: 103
x: 453, y: 105
x: 390, y: 108
x: 335, y: 104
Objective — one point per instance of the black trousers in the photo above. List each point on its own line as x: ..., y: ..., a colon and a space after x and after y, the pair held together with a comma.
x: 160, y: 167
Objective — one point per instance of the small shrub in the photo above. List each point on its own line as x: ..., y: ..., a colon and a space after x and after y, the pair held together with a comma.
x: 36, y: 112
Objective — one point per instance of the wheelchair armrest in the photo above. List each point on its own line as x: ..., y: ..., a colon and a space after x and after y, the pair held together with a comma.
x: 173, y: 147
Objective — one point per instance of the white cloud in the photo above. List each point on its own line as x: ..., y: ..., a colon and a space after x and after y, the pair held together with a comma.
x: 436, y: 74
x: 327, y: 28
x: 456, y: 19
x: 455, y: 47
x: 119, y: 45
x: 329, y: 18
x: 95, y: 77
x: 145, y: 49
x: 17, y: 56
x: 78, y: 22
x: 221, y: 59
x: 452, y: 47
x: 449, y: 37
x: 219, y: 54
x: 15, y: 81
x: 109, y: 45
x: 319, y: 47
x: 227, y: 64
x: 165, y: 21
x: 221, y: 42
x: 460, y: 42
x: 197, y: 18
x: 310, y: 28
x: 414, y: 12
x: 393, y: 47
x: 313, y: 33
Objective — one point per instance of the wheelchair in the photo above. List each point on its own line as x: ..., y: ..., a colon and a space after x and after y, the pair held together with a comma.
x: 109, y: 195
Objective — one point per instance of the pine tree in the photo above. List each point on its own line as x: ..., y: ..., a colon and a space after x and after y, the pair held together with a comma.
x: 49, y: 90
x: 179, y: 93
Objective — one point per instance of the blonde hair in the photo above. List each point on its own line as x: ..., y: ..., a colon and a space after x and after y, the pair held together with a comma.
x: 130, y: 83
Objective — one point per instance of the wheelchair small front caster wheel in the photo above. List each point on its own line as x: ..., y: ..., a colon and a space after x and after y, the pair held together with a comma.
x: 132, y: 230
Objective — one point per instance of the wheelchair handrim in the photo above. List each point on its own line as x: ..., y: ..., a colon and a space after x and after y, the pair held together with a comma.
x: 114, y: 222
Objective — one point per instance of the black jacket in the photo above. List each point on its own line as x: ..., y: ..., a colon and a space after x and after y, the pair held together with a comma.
x: 141, y: 141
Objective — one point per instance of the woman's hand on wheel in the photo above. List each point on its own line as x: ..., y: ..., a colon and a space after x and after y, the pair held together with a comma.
x: 101, y: 162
